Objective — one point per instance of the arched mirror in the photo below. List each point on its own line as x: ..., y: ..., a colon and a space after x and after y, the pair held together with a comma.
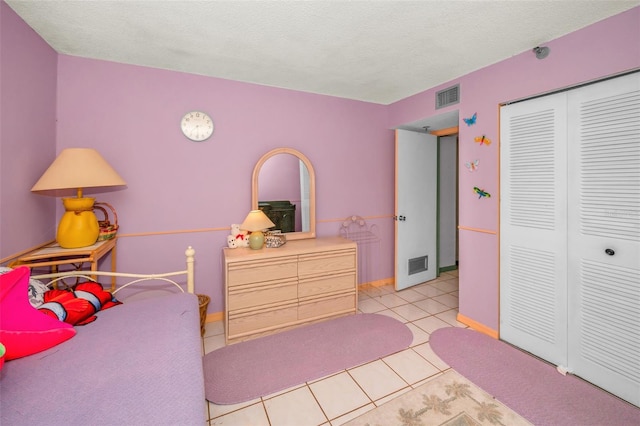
x: 284, y: 187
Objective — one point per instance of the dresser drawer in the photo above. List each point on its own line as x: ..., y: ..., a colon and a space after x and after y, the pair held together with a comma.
x: 254, y: 272
x: 326, y: 285
x: 250, y: 295
x: 327, y: 306
x: 258, y: 320
x: 316, y: 264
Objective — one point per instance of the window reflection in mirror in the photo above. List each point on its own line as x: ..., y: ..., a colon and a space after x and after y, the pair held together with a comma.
x: 284, y: 188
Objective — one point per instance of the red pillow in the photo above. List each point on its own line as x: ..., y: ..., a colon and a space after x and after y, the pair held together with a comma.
x: 23, y: 329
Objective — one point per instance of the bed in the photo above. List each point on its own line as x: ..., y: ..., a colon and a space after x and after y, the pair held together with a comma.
x: 138, y: 363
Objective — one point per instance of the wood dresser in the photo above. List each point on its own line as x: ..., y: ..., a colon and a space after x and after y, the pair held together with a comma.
x: 303, y: 281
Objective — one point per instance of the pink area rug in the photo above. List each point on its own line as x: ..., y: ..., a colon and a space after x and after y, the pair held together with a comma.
x: 531, y: 387
x: 262, y: 366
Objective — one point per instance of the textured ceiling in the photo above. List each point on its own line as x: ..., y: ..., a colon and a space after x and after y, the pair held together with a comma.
x: 375, y: 51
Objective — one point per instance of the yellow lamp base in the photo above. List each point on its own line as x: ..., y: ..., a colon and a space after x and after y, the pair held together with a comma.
x: 256, y: 240
x: 78, y: 226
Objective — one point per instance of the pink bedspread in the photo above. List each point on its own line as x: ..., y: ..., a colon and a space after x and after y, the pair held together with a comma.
x: 139, y: 363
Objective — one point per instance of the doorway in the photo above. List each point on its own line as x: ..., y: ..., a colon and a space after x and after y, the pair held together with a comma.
x: 444, y: 127
x: 447, y: 203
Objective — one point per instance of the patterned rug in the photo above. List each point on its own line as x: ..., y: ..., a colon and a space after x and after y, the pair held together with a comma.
x: 531, y: 387
x: 449, y: 399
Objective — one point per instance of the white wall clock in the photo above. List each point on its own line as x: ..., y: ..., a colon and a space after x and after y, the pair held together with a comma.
x: 197, y: 126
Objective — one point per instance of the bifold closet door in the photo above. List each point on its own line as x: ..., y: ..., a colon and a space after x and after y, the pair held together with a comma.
x: 570, y: 231
x: 604, y: 234
x: 533, y: 221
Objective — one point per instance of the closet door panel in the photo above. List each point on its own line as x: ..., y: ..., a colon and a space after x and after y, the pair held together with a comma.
x: 604, y: 235
x: 533, y: 247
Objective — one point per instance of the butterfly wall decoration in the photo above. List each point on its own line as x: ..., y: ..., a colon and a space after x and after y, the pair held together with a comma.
x: 481, y: 192
x: 472, y: 120
x: 472, y: 166
x: 483, y: 140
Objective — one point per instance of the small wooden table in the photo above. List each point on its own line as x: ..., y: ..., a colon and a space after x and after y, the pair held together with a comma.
x: 52, y: 255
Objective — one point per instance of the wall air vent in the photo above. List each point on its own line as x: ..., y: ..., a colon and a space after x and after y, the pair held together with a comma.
x: 418, y: 264
x: 448, y: 96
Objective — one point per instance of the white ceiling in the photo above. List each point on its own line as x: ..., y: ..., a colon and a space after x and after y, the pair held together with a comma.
x: 376, y: 51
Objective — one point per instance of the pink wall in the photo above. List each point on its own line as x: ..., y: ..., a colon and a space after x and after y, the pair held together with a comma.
x: 27, y: 133
x: 132, y: 115
x: 605, y: 48
x: 279, y: 179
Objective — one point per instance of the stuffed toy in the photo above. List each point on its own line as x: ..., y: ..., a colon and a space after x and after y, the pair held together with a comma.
x: 2, y: 351
x: 77, y: 306
x: 231, y: 241
x: 240, y: 237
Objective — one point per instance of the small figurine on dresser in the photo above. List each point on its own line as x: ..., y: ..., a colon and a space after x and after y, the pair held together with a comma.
x: 238, y: 237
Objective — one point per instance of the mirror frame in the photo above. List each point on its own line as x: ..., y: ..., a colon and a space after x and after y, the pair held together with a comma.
x: 312, y: 190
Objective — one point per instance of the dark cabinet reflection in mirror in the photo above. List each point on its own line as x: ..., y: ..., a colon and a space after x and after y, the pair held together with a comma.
x: 284, y: 189
x: 282, y: 213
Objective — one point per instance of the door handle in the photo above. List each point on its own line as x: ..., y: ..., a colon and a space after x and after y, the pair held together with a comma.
x: 610, y: 252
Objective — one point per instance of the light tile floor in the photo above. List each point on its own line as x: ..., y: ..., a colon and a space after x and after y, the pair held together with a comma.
x: 338, y: 398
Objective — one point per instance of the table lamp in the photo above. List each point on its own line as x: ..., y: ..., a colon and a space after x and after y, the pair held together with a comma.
x: 73, y: 170
x: 255, y: 222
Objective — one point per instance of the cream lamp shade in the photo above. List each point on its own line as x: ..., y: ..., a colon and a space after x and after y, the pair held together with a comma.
x: 255, y: 222
x: 72, y: 171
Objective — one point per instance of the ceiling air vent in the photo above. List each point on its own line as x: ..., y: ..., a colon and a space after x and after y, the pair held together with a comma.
x: 448, y: 96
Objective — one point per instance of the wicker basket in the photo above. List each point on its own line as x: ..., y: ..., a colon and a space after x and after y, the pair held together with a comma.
x: 108, y: 230
x: 203, y: 301
x: 274, y: 239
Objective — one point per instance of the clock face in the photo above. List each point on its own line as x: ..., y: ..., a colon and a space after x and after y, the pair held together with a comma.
x: 197, y: 126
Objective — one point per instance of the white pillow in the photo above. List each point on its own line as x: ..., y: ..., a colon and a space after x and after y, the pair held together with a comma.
x: 37, y: 289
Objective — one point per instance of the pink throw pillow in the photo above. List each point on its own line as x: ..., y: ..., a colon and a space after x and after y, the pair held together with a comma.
x: 23, y: 329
